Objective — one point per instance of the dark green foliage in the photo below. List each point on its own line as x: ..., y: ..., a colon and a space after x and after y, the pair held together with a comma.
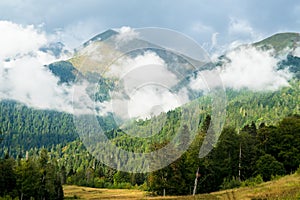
x: 77, y: 166
x: 225, y: 155
x: 121, y: 177
x: 25, y: 129
x: 292, y: 63
x: 298, y: 170
x: 252, y: 181
x: 104, y: 87
x: 170, y: 179
x: 249, y: 151
x: 7, y: 177
x: 267, y: 166
x: 219, y: 170
x: 286, y: 143
x: 64, y: 70
x: 283, y: 141
x: 35, y: 178
x: 230, y: 183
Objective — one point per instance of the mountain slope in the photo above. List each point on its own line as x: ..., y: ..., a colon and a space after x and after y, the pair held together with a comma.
x: 97, y: 54
x: 280, y: 41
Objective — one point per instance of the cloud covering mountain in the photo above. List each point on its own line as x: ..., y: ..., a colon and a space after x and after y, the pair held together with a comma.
x: 23, y: 76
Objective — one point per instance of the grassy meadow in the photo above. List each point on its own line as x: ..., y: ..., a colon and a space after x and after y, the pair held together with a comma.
x: 286, y: 188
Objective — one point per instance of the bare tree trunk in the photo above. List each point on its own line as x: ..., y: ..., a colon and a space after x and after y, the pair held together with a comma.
x: 196, y: 182
x: 240, y: 160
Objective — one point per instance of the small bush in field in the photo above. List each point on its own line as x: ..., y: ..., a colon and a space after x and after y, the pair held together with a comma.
x: 230, y: 183
x: 298, y: 172
x: 252, y: 181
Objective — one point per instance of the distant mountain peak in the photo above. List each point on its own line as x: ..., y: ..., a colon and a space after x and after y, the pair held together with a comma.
x: 102, y: 36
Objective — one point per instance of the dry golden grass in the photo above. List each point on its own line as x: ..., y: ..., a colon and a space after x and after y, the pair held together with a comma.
x: 96, y: 193
x: 286, y: 188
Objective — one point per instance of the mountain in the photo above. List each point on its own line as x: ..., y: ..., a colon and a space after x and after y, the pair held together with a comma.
x: 97, y: 54
x: 284, y: 44
x: 101, y: 37
x: 280, y: 42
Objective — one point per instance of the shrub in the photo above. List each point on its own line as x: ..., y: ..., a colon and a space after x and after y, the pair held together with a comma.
x: 267, y: 166
x: 99, y: 182
x: 252, y: 181
x: 298, y: 170
x: 230, y: 183
x: 275, y: 177
x: 123, y: 185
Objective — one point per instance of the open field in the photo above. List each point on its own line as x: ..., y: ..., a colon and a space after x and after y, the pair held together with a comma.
x: 96, y: 193
x: 287, y: 188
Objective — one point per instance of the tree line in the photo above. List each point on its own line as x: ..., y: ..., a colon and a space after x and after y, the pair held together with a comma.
x: 35, y: 177
x: 242, y: 156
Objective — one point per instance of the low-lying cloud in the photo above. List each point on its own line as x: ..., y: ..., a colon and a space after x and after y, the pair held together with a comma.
x: 146, y: 84
x: 253, y: 69
x: 297, y: 52
x: 23, y: 75
x: 250, y: 68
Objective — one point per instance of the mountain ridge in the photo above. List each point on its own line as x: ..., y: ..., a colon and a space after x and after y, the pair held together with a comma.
x: 280, y: 41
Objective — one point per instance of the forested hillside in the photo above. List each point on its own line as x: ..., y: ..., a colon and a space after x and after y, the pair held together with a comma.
x: 256, y: 126
x: 242, y: 157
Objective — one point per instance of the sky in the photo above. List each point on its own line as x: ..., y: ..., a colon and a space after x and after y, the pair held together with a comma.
x: 214, y: 24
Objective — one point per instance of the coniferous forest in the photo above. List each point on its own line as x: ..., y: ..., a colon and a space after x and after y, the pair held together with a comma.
x: 259, y: 149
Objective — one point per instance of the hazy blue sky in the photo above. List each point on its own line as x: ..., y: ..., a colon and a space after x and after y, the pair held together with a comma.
x: 213, y: 23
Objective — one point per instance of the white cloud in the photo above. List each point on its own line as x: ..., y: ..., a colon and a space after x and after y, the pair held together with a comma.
x: 254, y: 69
x: 145, y: 83
x: 151, y: 100
x: 248, y: 68
x: 242, y: 32
x: 126, y: 34
x: 199, y: 27
x: 238, y: 26
x: 75, y: 34
x: 214, y: 39
x: 125, y: 64
x: 23, y: 76
x: 199, y: 83
x: 17, y: 40
x: 27, y: 81
x: 297, y: 52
